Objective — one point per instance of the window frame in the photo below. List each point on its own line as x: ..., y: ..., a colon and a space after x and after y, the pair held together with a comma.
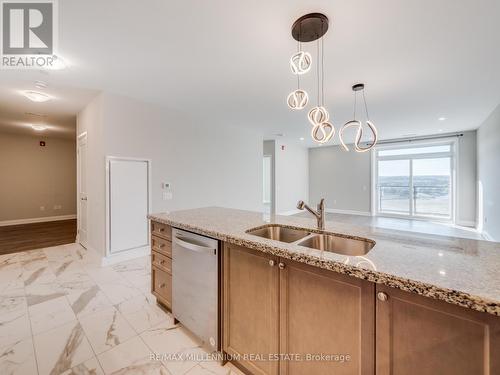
x: 452, y: 154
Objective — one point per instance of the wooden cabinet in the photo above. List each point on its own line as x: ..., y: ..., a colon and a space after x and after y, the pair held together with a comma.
x: 420, y: 336
x: 274, y: 307
x: 251, y: 293
x: 162, y: 286
x: 323, y: 312
x: 290, y: 310
x: 161, y: 263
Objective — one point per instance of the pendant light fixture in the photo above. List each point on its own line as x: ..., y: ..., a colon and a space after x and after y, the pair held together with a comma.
x: 309, y: 28
x: 357, y: 124
x: 300, y: 63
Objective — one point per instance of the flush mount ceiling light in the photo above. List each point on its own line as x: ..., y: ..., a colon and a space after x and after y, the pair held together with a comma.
x: 40, y: 85
x: 39, y: 128
x: 358, y: 125
x: 35, y: 96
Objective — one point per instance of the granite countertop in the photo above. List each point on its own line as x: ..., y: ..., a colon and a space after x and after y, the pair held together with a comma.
x: 460, y: 271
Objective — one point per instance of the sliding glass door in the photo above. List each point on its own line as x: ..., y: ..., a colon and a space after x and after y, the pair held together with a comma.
x: 415, y: 181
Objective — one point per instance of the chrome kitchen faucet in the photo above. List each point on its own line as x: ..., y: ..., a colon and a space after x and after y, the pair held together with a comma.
x: 319, y: 214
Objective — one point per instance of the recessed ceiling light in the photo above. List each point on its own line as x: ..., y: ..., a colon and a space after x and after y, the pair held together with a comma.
x: 442, y: 118
x: 39, y: 128
x: 301, y: 138
x: 35, y: 96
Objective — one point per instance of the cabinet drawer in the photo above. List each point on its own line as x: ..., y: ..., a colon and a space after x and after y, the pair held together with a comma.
x: 161, y: 261
x: 161, y: 246
x: 161, y: 286
x: 161, y: 230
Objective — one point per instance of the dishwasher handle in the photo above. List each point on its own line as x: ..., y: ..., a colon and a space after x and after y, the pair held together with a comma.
x: 193, y: 247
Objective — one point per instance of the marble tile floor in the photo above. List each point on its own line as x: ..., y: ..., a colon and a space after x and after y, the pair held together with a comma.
x: 61, y: 312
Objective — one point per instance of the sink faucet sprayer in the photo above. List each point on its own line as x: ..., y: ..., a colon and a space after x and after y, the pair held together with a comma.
x: 320, y: 214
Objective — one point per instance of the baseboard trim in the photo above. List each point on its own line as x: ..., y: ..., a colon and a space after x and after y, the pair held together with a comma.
x: 487, y: 237
x: 466, y: 223
x: 126, y: 255
x: 348, y: 212
x: 36, y: 220
x: 289, y: 213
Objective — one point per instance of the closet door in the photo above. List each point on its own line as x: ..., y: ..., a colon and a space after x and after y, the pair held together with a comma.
x: 127, y: 204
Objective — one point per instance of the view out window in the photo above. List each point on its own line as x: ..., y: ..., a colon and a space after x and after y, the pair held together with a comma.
x: 415, y: 181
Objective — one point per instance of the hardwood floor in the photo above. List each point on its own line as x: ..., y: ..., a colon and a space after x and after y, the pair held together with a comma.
x: 36, y: 236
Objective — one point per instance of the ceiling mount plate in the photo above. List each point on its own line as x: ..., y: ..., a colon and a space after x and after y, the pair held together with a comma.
x: 310, y: 27
x: 358, y: 87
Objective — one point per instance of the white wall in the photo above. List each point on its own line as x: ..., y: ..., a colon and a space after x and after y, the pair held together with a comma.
x: 33, y: 177
x: 488, y: 161
x: 291, y: 175
x: 206, y: 164
x: 342, y: 178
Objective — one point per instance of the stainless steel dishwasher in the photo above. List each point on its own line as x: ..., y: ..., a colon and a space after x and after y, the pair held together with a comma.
x: 195, y: 284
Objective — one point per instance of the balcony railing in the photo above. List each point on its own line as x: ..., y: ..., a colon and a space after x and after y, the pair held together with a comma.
x: 425, y: 200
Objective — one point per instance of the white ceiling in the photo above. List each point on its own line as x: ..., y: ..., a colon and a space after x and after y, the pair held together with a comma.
x: 17, y: 113
x: 227, y: 61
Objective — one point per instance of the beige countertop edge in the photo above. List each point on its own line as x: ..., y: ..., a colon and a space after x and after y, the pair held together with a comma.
x: 454, y: 297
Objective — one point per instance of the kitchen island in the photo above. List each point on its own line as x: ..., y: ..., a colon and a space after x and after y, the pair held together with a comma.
x: 414, y: 303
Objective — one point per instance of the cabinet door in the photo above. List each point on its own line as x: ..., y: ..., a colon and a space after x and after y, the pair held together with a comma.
x: 251, y: 288
x: 422, y: 336
x: 323, y: 312
x: 161, y: 286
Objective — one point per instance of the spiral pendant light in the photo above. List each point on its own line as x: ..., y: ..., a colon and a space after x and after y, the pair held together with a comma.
x: 308, y: 28
x: 357, y: 124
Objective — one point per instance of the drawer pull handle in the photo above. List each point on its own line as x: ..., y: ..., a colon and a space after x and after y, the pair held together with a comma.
x: 161, y: 286
x: 272, y: 263
x: 281, y: 266
x: 162, y: 262
x: 161, y: 229
x: 161, y: 246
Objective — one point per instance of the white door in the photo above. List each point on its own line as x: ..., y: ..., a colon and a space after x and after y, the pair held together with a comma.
x: 127, y: 204
x: 82, y: 190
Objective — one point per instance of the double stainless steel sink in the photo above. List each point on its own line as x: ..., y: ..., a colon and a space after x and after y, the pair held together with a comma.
x: 335, y: 243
